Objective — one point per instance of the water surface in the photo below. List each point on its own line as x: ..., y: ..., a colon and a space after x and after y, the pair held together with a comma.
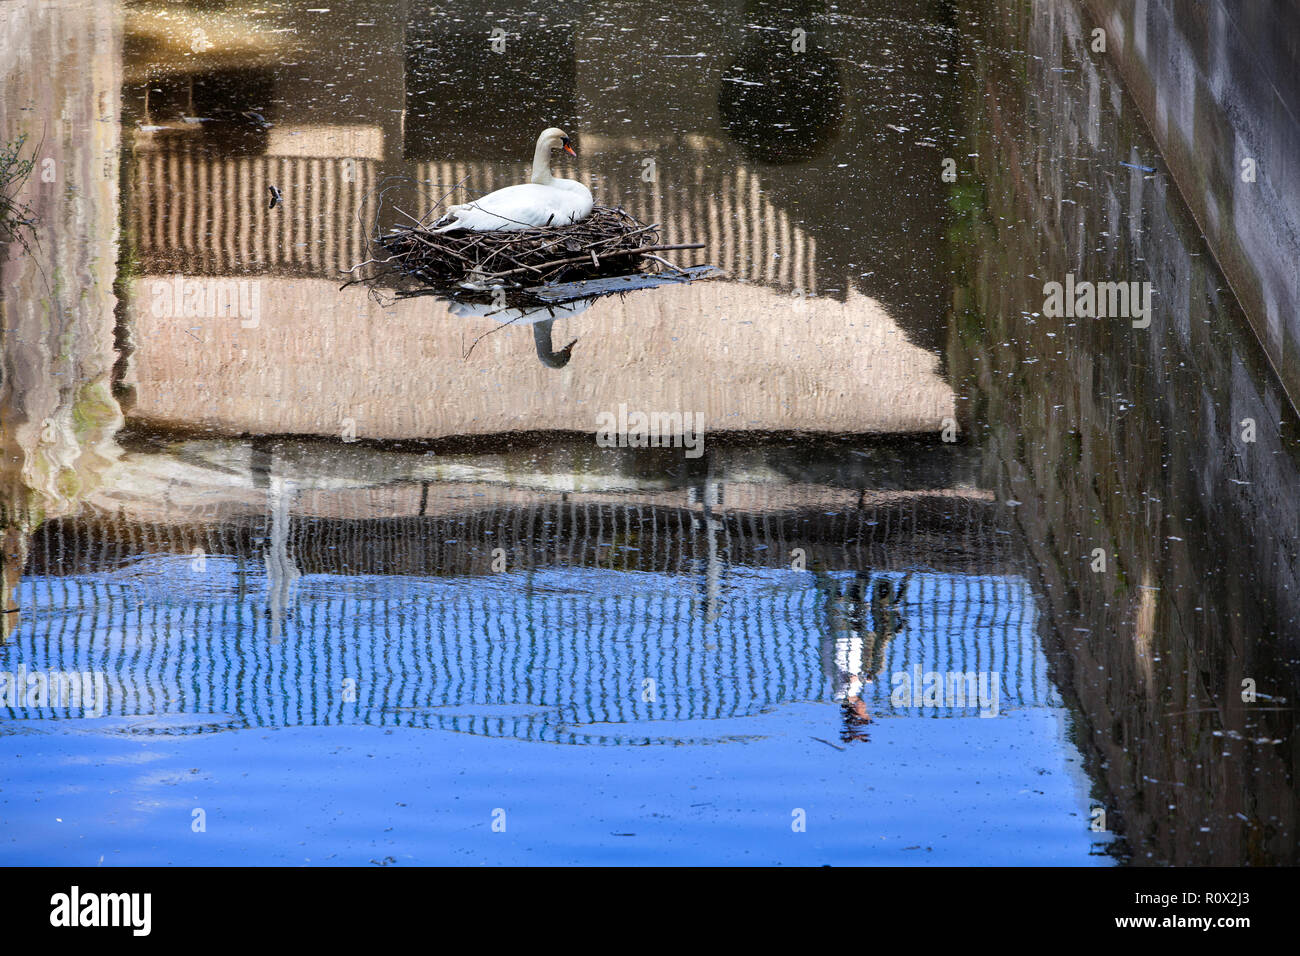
x: 364, y: 588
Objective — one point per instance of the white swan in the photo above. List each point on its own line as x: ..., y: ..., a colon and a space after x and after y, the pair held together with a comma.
x: 546, y: 201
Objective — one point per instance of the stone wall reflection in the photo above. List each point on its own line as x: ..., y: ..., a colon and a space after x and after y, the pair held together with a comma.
x: 1131, y: 441
x: 1219, y: 82
x: 60, y: 66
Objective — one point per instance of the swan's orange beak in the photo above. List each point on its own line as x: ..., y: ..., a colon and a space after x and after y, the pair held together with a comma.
x: 569, y: 149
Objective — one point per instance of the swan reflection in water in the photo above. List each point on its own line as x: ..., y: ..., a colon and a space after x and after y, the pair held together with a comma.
x: 541, y: 317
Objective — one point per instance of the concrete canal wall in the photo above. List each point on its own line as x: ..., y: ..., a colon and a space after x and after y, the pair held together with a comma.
x: 1219, y: 84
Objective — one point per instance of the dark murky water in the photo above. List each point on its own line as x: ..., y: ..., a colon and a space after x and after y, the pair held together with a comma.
x: 360, y: 583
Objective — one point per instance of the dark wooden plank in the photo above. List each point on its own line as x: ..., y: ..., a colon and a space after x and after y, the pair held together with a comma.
x: 609, y: 285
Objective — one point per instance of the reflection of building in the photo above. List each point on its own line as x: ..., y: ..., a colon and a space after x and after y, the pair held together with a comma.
x: 421, y: 94
x: 195, y: 213
x: 698, y: 586
x: 538, y: 655
x: 380, y: 101
x: 772, y: 359
x: 241, y: 583
x: 738, y: 353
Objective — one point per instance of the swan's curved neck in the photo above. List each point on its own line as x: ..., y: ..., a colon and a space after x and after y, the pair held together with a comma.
x: 542, y: 164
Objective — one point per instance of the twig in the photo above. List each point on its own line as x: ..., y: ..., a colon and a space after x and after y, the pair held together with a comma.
x: 675, y: 268
x: 620, y: 253
x: 626, y: 235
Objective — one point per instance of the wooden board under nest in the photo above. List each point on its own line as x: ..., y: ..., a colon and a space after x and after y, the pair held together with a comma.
x: 607, y: 242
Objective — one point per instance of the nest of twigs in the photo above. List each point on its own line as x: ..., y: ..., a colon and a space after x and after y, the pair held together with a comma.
x: 607, y: 242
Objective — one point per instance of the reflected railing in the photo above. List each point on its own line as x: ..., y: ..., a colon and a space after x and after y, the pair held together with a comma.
x: 196, y: 212
x: 724, y: 205
x: 287, y: 586
x: 557, y: 649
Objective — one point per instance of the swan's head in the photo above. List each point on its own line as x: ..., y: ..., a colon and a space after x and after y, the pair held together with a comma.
x: 555, y: 138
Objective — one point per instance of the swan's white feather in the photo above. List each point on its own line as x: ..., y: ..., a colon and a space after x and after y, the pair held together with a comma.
x: 559, y: 203
x: 546, y: 201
